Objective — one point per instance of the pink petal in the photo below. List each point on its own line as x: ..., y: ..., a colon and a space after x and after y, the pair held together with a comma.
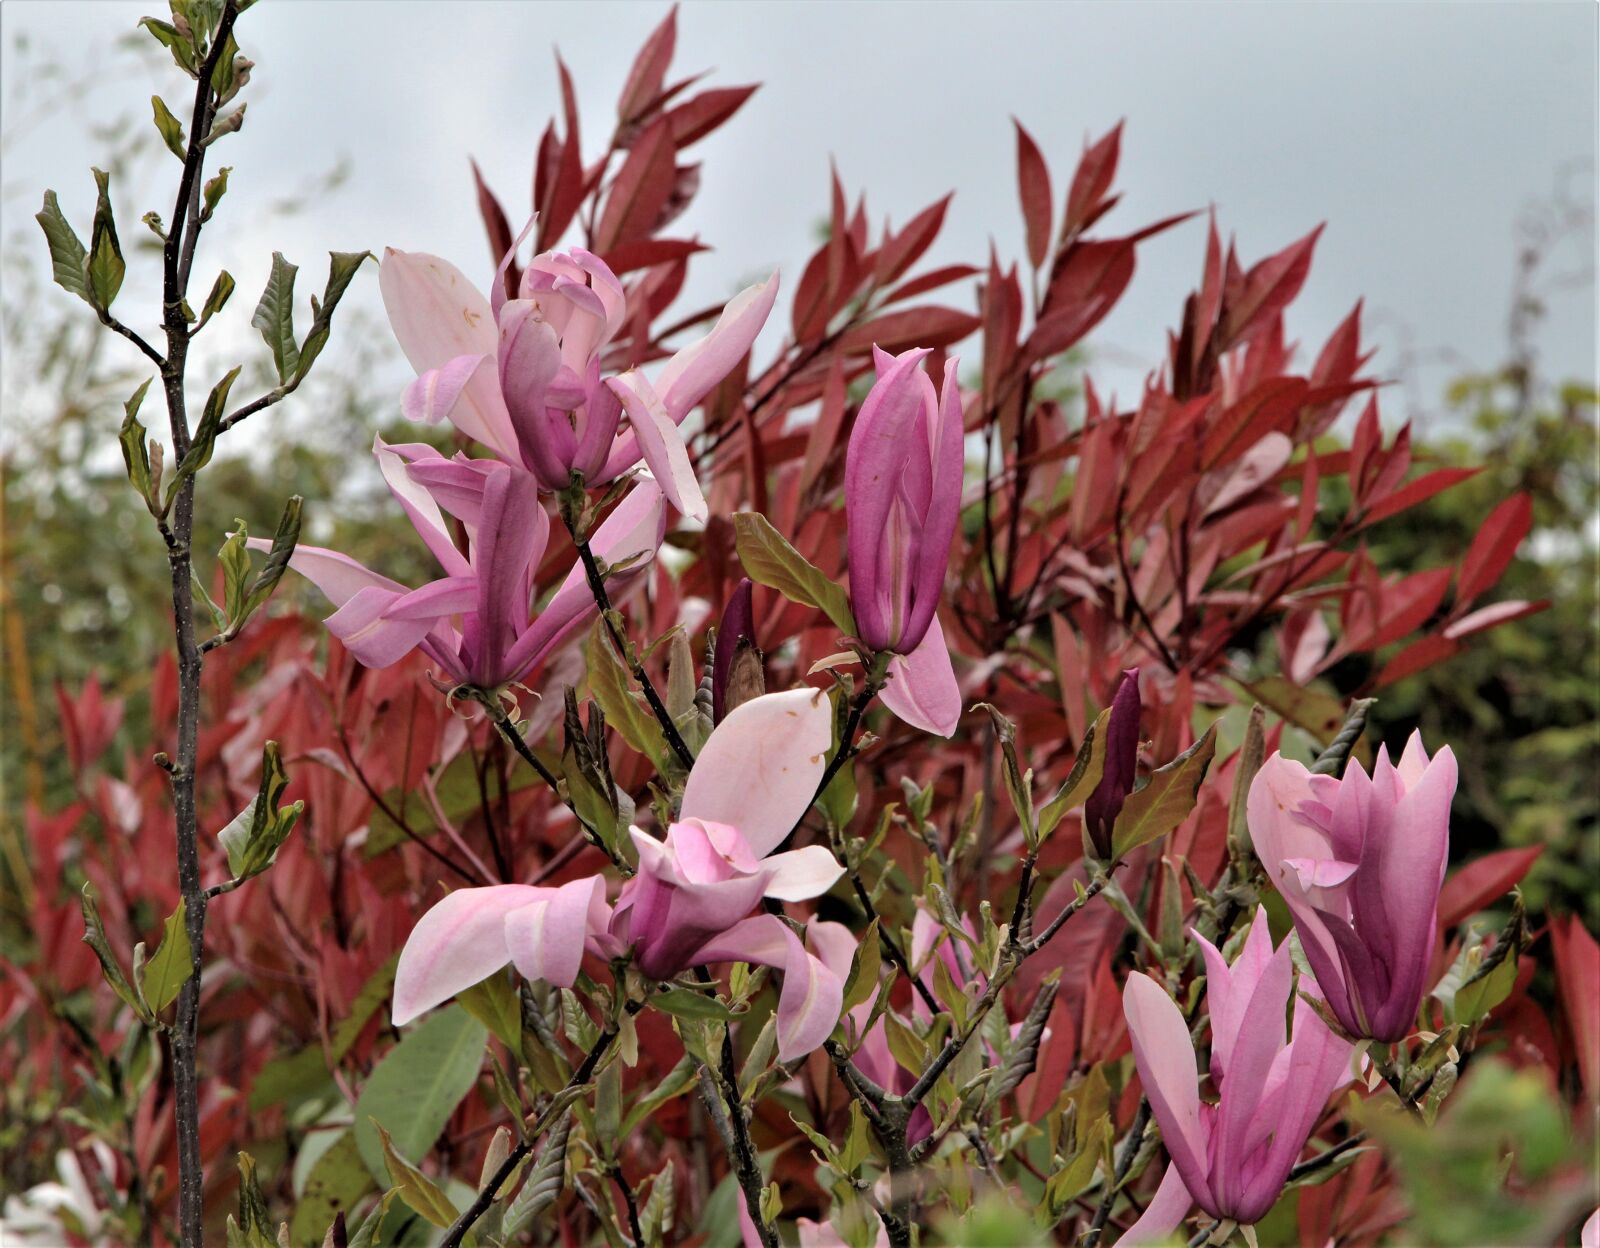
x: 1165, y: 1057
x: 338, y: 576
x: 923, y: 691
x: 802, y: 874
x: 455, y: 945
x: 696, y: 370
x: 1229, y: 989
x: 812, y: 996
x: 509, y: 545
x: 433, y: 396
x: 380, y: 628
x: 421, y: 509
x: 759, y: 769
x: 661, y: 444
x: 1163, y: 1215
x: 546, y: 938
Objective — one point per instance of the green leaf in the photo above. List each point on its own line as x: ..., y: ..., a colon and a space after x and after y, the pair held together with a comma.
x: 67, y: 256
x: 678, y: 1080
x: 864, y: 969
x: 544, y: 1183
x: 205, y: 436
x: 1082, y: 779
x: 225, y: 125
x: 180, y: 45
x: 254, y: 1227
x: 687, y: 1003
x: 342, y: 267
x: 171, y: 128
x: 94, y: 936
x: 254, y: 836
x: 274, y: 317
x: 655, y: 1219
x: 416, y: 1188
x: 609, y: 685
x: 286, y: 1079
x: 235, y: 559
x: 283, y: 543
x: 416, y: 1088
x: 493, y: 1002
x: 1019, y: 785
x: 103, y: 267
x: 221, y: 291
x: 132, y: 438
x: 170, y: 968
x: 215, y: 189
x: 1165, y: 802
x: 770, y: 560
x: 337, y: 1181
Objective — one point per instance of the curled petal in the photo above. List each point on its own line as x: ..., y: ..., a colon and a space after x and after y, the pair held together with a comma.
x: 802, y: 874
x: 812, y: 997
x: 457, y: 943
x: 546, y: 938
x: 338, y: 576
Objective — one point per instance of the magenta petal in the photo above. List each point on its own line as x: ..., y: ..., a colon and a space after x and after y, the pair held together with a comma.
x: 546, y: 938
x: 508, y: 546
x: 1163, y: 1215
x: 457, y: 943
x: 1165, y: 1057
x: 661, y: 444
x: 759, y: 769
x: 942, y: 509
x: 923, y: 691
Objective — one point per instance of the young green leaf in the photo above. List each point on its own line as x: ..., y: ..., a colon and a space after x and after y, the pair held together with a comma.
x: 274, y: 317
x: 94, y: 935
x: 205, y: 436
x: 170, y: 127
x: 67, y: 255
x: 416, y: 1188
x: 342, y: 267
x: 103, y: 266
x: 770, y: 560
x: 169, y: 969
x: 132, y: 439
x: 1165, y: 802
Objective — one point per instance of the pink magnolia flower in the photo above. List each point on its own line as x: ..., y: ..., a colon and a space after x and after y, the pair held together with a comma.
x: 902, y: 500
x: 522, y: 376
x: 1232, y: 1158
x: 1360, y: 862
x: 474, y: 621
x: 687, y: 906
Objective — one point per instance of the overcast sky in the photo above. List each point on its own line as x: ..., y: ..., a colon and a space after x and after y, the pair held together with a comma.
x: 1418, y: 132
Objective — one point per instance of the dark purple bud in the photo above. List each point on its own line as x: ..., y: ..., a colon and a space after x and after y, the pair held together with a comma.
x: 1122, y: 762
x: 737, y: 625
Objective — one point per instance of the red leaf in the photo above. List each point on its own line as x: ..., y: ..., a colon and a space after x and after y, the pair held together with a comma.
x: 925, y: 326
x: 699, y: 116
x: 931, y: 280
x: 1494, y: 546
x: 1418, y: 491
x: 649, y: 71
x: 1092, y: 180
x: 640, y: 190
x: 1033, y: 189
x: 1267, y: 408
x: 900, y: 251
x: 1418, y: 656
x: 1577, y: 973
x: 1267, y: 289
x: 1406, y: 605
x: 1493, y: 616
x: 644, y: 252
x: 1085, y: 287
x: 1480, y: 882
x: 810, y: 315
x: 497, y: 227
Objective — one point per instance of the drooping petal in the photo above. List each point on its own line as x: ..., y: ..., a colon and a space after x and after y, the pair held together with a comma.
x: 546, y: 938
x: 457, y: 943
x: 802, y: 874
x: 380, y: 628
x: 420, y: 509
x: 1163, y: 1215
x: 661, y: 443
x: 923, y: 691
x: 759, y: 769
x: 1165, y: 1057
x: 812, y: 996
x: 337, y: 575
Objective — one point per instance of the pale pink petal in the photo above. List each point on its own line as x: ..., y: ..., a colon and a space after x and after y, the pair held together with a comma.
x: 1165, y: 1057
x: 802, y: 874
x: 420, y: 508
x: 812, y: 995
x: 695, y: 371
x: 923, y: 691
x: 661, y: 443
x: 433, y: 396
x: 337, y: 575
x: 1163, y: 1215
x: 546, y: 938
x: 1320, y: 872
x: 759, y: 769
x: 380, y: 628
x: 457, y: 943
